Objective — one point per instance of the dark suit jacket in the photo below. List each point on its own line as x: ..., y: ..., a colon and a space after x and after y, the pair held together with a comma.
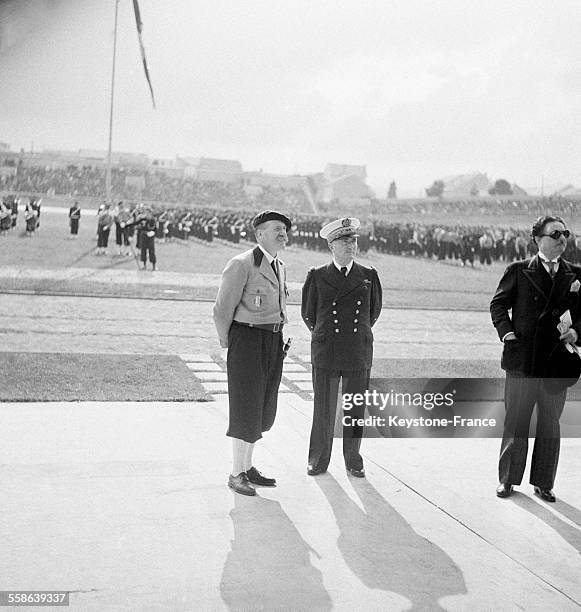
x: 536, y: 303
x: 340, y: 312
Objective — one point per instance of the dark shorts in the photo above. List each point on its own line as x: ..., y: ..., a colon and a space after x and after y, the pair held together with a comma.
x: 254, y: 372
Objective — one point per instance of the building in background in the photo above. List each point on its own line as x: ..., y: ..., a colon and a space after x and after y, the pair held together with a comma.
x: 343, y: 183
x: 462, y: 186
x: 209, y: 169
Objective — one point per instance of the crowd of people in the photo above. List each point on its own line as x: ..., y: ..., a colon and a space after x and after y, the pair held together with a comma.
x: 468, y: 245
x: 463, y: 243
x: 527, y: 206
x: 158, y: 186
x: 210, y: 210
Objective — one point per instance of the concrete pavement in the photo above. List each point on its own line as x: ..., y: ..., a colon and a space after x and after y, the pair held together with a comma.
x: 126, y: 506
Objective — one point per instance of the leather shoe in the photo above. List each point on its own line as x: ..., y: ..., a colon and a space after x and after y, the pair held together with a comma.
x: 355, y: 472
x: 240, y: 484
x: 255, y: 477
x: 545, y: 494
x: 313, y: 471
x: 504, y: 490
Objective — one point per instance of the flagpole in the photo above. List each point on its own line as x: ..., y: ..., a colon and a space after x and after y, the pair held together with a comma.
x: 108, y: 171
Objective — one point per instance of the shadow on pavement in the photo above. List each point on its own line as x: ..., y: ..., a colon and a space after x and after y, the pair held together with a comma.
x: 384, y: 552
x: 269, y: 566
x: 568, y: 532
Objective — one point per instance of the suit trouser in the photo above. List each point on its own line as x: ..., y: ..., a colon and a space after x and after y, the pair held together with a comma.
x: 326, y: 389
x: 520, y: 396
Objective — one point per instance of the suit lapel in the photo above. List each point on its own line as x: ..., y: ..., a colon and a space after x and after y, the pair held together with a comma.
x: 353, y: 281
x: 561, y: 284
x: 263, y: 266
x: 534, y: 274
x: 563, y: 279
x: 332, y: 276
x: 556, y: 289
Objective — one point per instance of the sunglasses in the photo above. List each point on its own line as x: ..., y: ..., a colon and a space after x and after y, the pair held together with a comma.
x: 555, y: 235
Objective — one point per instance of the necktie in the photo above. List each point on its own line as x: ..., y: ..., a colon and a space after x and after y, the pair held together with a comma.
x: 551, y: 265
x: 344, y: 271
x: 274, y: 264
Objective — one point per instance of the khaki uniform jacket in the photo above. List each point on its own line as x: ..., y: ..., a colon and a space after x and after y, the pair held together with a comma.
x: 250, y: 293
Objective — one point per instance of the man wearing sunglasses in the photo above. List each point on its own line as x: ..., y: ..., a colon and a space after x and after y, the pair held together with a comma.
x: 538, y: 291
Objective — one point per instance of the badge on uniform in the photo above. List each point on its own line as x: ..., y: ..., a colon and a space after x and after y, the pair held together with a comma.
x: 257, y: 300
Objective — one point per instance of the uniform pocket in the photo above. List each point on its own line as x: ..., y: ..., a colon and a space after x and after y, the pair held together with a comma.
x: 254, y: 297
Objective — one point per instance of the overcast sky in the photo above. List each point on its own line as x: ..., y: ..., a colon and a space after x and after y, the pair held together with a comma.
x: 415, y: 90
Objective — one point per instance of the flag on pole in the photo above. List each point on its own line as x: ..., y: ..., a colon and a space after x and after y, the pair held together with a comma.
x: 142, y: 48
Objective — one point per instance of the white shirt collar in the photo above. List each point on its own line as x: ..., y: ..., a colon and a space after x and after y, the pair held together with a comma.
x: 348, y: 266
x: 268, y: 256
x: 545, y: 259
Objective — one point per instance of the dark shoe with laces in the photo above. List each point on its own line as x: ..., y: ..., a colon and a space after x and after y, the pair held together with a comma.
x: 313, y: 471
x: 255, y: 477
x: 545, y: 494
x: 240, y: 484
x: 504, y: 490
x: 356, y: 473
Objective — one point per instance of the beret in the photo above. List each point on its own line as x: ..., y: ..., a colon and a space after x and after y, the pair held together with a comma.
x: 271, y: 215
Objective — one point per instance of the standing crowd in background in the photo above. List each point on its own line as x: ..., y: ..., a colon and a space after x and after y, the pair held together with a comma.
x: 462, y: 243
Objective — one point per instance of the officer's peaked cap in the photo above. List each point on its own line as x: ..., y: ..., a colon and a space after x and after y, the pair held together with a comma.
x: 347, y: 226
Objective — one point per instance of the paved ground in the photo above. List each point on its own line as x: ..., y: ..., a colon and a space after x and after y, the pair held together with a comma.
x: 126, y: 504
x: 107, y: 325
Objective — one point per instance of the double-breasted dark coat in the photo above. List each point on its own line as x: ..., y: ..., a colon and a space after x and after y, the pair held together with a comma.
x: 536, y: 303
x: 529, y: 303
x: 340, y: 312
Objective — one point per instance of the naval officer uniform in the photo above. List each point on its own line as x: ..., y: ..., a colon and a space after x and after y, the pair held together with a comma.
x: 341, y: 301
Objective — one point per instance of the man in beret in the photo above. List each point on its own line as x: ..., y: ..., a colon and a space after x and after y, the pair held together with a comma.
x: 249, y: 314
x: 340, y: 303
x: 536, y: 292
